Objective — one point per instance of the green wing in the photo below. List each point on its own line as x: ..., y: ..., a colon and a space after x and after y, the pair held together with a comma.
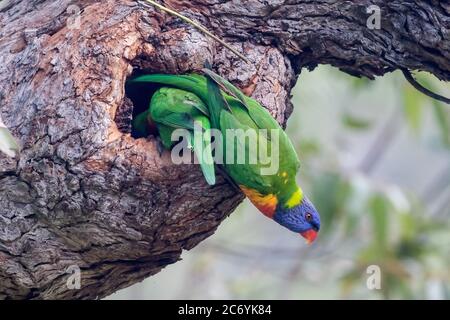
x: 259, y: 115
x: 193, y: 84
x: 173, y: 109
x: 246, y: 173
x: 201, y: 141
x: 262, y: 119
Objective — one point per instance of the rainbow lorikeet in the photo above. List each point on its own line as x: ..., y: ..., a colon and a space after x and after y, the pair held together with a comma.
x: 209, y: 101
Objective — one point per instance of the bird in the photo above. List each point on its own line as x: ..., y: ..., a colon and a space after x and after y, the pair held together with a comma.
x: 210, y: 102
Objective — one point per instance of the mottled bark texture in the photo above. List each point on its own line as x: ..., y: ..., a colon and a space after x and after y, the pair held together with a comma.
x: 84, y: 192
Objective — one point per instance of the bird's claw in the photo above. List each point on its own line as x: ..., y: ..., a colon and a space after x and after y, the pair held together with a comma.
x: 159, y: 146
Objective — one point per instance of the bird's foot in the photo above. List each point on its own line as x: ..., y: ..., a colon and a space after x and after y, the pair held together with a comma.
x: 159, y: 146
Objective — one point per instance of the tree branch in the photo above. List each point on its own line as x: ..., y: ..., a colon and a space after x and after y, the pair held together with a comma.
x: 409, y: 77
x: 414, y: 35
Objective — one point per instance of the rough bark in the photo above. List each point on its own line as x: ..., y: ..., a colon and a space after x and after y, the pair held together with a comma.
x: 84, y: 192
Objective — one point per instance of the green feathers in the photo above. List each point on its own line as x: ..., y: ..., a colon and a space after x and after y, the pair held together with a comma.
x: 172, y: 109
x: 214, y: 102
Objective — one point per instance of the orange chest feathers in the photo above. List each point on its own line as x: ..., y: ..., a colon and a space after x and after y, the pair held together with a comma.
x: 267, y: 204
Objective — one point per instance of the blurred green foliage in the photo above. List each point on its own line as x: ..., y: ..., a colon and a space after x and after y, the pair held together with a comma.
x: 402, y: 241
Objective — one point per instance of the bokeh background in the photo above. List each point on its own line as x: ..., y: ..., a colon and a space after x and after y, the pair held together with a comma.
x: 376, y: 162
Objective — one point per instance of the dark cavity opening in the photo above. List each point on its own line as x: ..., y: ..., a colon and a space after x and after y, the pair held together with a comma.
x: 137, y: 100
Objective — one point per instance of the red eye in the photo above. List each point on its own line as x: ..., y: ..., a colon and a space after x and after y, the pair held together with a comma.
x: 308, y: 217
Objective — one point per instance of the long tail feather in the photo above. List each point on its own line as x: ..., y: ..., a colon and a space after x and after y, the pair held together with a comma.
x: 192, y: 83
x: 227, y: 86
x: 201, y: 142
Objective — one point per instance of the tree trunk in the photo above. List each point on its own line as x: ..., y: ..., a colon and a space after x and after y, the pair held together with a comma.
x: 84, y: 193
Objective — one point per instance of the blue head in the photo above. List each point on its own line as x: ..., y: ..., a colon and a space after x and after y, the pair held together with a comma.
x: 302, y: 218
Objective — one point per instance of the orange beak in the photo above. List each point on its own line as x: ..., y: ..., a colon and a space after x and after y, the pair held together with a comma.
x: 309, y: 235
